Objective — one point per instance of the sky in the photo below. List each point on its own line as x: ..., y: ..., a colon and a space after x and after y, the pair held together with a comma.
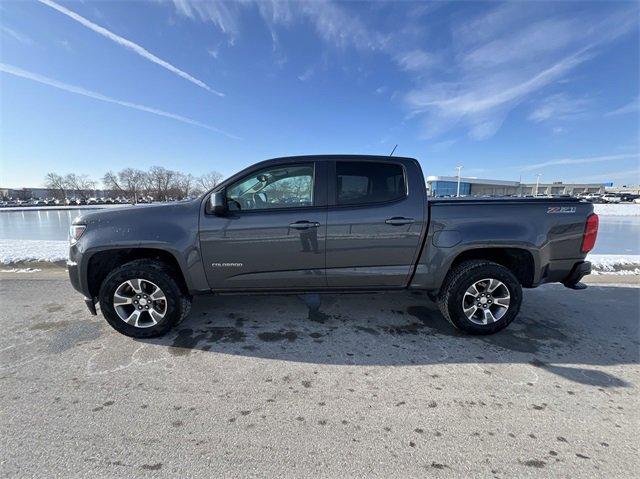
x: 506, y: 90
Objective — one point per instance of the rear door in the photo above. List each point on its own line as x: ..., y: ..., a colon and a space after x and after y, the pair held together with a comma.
x: 274, y: 236
x: 374, y: 222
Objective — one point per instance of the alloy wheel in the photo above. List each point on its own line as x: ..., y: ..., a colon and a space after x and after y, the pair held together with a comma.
x: 486, y: 301
x: 140, y: 303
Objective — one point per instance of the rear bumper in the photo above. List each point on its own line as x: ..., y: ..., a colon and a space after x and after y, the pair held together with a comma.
x: 565, y: 271
x: 579, y: 271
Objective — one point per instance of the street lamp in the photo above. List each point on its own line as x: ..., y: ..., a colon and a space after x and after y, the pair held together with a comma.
x: 538, y: 182
x: 458, y: 189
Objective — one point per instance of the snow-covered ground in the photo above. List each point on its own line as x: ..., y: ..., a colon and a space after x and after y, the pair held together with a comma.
x: 621, y: 209
x: 15, y: 251
x: 615, y: 263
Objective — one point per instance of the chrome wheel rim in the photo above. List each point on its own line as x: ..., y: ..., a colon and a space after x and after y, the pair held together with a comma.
x: 140, y: 303
x: 486, y: 301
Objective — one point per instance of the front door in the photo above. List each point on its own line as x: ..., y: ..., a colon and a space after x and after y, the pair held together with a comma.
x: 373, y: 225
x: 274, y: 235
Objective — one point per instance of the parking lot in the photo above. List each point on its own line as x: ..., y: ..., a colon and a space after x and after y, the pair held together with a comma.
x: 363, y: 385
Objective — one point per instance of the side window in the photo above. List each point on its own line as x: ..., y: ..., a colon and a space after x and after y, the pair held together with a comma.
x: 360, y: 182
x: 282, y: 186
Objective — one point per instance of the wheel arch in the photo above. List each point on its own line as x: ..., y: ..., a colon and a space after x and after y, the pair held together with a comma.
x: 100, y: 263
x: 519, y: 261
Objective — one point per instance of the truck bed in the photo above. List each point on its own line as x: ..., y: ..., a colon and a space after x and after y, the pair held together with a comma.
x: 502, y: 200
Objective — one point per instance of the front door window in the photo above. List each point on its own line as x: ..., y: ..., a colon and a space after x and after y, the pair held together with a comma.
x: 273, y: 188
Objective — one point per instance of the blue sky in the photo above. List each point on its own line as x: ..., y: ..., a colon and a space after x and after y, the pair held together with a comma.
x: 508, y: 90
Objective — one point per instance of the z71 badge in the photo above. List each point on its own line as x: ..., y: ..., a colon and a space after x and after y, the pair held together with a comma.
x: 561, y: 209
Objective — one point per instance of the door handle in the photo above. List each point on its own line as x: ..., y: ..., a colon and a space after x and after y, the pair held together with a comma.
x: 303, y: 225
x: 398, y: 221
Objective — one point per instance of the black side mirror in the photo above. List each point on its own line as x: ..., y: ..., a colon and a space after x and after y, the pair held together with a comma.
x: 218, y: 204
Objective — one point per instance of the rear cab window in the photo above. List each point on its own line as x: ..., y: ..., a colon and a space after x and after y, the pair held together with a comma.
x: 362, y: 182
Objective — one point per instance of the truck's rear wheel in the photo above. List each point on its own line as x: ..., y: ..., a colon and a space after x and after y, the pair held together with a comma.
x: 480, y: 297
x: 142, y: 299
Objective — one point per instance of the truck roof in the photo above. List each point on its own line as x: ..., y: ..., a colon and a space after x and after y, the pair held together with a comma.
x: 334, y: 156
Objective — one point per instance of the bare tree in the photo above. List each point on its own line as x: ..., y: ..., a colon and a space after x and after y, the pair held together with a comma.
x: 80, y: 184
x: 184, y: 185
x: 56, y: 183
x: 210, y: 180
x: 132, y: 181
x: 160, y: 181
x: 111, y: 182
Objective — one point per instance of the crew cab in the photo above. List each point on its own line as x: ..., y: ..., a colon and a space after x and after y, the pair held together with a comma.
x: 328, y: 223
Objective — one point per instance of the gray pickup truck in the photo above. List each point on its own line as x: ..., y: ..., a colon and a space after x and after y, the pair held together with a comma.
x: 330, y: 223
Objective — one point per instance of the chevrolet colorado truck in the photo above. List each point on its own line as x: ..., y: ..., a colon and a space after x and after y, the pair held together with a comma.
x: 330, y: 223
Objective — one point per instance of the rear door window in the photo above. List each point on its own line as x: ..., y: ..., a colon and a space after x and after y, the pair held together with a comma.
x: 361, y: 182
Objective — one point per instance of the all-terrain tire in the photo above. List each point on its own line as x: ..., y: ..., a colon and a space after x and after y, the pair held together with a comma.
x: 178, y: 303
x: 462, y: 277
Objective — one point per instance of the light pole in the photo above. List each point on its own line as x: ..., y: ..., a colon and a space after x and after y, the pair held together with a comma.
x: 458, y: 189
x: 538, y: 182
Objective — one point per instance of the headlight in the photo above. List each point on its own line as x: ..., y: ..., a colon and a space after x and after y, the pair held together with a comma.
x: 75, y: 232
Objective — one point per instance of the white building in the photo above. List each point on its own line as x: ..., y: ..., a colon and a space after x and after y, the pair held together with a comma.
x: 448, y: 186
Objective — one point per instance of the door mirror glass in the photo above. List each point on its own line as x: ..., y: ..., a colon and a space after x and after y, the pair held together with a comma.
x: 218, y: 204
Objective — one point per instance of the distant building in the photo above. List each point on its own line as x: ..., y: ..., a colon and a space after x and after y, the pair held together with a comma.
x: 448, y: 185
x: 630, y: 189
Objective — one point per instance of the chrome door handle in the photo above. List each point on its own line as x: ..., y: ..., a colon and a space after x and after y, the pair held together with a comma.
x: 303, y: 225
x: 398, y: 221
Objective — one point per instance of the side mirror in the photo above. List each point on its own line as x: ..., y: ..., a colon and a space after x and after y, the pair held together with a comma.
x: 218, y: 204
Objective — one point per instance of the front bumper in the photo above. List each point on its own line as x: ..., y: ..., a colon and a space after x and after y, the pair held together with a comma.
x: 74, y: 275
x: 76, y: 281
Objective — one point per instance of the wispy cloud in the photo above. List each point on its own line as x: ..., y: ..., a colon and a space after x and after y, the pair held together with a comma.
x: 501, y: 58
x: 497, y: 57
x: 18, y: 72
x: 559, y: 107
x: 16, y: 35
x: 415, y: 60
x: 631, y: 107
x: 307, y: 74
x: 129, y: 45
x: 627, y: 177
x: 66, y: 45
x: 331, y: 22
x: 578, y: 161
x: 482, y: 106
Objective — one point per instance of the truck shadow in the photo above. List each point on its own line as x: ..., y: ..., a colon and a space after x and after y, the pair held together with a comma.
x: 558, y: 331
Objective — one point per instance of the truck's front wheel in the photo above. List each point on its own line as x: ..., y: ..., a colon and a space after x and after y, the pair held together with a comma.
x: 480, y: 297
x: 142, y: 299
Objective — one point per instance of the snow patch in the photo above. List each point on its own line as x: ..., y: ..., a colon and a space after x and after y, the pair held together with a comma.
x: 20, y: 270
x: 615, y: 263
x: 15, y: 251
x: 626, y: 209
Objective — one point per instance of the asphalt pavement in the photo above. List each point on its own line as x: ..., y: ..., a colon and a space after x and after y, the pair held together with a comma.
x: 361, y: 386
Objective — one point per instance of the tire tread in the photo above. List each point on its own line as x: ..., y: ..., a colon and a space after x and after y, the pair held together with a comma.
x: 451, y: 283
x: 183, y: 301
